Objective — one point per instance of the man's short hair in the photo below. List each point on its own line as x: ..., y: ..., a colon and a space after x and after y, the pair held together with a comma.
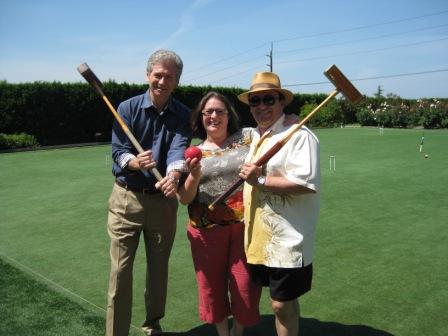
x: 165, y: 56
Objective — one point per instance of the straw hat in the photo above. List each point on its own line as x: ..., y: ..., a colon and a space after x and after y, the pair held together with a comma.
x: 264, y: 81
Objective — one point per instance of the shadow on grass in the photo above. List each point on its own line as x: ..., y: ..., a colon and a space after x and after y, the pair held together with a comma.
x: 308, y: 327
x: 27, y: 304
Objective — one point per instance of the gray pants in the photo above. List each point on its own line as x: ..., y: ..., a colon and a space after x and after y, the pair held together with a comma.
x: 130, y: 214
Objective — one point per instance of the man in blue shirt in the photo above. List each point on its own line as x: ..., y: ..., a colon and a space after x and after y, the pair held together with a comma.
x: 141, y: 204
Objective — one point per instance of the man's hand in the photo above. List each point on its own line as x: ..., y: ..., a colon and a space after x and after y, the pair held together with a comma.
x: 250, y: 173
x: 168, y: 185
x: 143, y: 161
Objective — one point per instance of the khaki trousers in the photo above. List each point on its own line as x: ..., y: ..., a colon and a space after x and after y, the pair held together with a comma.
x: 130, y: 214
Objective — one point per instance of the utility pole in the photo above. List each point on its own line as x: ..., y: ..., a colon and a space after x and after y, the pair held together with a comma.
x: 270, y: 65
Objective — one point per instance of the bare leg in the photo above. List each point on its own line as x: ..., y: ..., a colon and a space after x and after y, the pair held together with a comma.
x: 237, y: 328
x: 223, y: 327
x: 286, y: 317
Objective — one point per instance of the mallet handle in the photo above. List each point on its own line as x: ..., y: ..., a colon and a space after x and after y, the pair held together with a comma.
x: 129, y: 134
x: 93, y: 80
x: 272, y: 151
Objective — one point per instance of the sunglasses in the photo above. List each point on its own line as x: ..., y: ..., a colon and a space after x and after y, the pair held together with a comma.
x: 267, y: 100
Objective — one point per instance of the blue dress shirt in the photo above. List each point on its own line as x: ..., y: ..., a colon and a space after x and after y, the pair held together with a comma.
x: 167, y: 134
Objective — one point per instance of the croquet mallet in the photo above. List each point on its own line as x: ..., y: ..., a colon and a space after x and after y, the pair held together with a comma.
x: 93, y: 80
x: 342, y: 84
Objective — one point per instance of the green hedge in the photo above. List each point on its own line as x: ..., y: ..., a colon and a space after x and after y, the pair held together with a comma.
x: 63, y: 113
x: 57, y: 113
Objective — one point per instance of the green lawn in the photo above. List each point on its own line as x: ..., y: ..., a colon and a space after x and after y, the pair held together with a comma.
x: 380, y: 262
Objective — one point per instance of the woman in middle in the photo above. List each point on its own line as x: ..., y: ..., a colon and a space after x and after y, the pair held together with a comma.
x: 217, y: 237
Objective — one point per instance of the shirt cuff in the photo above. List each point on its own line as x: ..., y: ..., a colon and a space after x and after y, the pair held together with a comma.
x: 180, y: 166
x: 124, y: 159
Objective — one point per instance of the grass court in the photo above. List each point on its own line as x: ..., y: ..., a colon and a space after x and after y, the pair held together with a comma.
x: 380, y: 259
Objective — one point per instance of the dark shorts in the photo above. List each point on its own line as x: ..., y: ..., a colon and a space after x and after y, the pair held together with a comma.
x: 284, y: 284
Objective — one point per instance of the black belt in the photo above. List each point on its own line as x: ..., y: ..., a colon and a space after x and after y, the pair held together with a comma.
x: 144, y: 191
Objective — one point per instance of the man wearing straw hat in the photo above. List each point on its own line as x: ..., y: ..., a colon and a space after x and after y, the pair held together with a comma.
x: 281, y: 200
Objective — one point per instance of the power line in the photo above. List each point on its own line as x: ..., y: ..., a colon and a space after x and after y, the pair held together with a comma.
x: 401, y: 75
x: 189, y: 80
x: 361, y: 40
x: 371, y: 78
x: 314, y: 58
x: 227, y: 58
x: 331, y: 56
x: 308, y: 36
x: 360, y: 27
x: 362, y: 51
x: 238, y: 74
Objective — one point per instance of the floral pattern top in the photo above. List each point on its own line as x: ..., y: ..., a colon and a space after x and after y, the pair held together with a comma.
x: 220, y: 168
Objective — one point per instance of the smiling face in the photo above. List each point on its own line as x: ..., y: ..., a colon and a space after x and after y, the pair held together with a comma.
x: 162, y: 82
x: 215, y: 118
x: 266, y: 114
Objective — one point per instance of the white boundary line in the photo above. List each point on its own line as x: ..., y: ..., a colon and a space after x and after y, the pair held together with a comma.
x: 55, y: 284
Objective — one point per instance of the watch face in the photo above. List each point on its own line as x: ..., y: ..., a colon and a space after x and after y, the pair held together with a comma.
x: 261, y: 180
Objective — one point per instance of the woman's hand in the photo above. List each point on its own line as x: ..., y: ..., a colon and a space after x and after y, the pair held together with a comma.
x: 194, y: 166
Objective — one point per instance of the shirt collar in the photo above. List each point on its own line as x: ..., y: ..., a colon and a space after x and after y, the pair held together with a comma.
x: 147, y: 103
x: 276, y: 127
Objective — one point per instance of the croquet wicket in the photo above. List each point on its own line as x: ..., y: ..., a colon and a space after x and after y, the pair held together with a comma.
x: 108, y: 159
x: 332, y: 162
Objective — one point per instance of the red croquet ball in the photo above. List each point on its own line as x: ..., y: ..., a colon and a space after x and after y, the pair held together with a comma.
x: 193, y: 152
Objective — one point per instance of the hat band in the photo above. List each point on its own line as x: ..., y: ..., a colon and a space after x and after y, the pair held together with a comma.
x: 264, y: 86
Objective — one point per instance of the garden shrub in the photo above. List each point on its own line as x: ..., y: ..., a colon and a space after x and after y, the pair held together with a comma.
x: 21, y: 140
x: 329, y: 115
x: 434, y: 113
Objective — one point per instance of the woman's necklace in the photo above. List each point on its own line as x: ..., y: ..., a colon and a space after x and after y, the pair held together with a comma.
x: 211, y: 145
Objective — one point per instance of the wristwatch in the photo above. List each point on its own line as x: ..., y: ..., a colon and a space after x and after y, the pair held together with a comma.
x: 261, y: 181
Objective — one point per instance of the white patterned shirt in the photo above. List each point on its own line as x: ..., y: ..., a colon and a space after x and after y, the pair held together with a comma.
x: 280, y: 227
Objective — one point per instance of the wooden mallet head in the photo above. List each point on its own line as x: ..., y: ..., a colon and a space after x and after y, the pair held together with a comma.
x: 342, y: 84
x: 91, y: 78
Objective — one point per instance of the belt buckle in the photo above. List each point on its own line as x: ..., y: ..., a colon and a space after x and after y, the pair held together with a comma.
x: 121, y: 184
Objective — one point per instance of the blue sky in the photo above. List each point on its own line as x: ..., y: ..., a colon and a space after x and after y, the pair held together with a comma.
x: 224, y: 42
